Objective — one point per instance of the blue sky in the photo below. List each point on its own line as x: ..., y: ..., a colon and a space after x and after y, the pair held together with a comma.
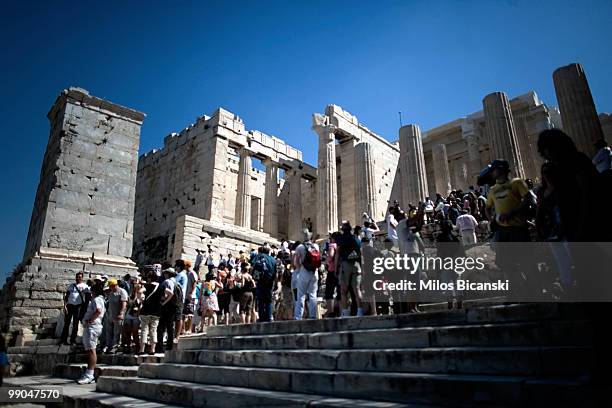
x: 275, y: 63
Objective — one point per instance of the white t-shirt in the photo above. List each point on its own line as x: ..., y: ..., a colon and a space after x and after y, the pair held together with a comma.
x: 96, y: 303
x: 73, y: 293
x: 466, y: 222
x: 391, y: 225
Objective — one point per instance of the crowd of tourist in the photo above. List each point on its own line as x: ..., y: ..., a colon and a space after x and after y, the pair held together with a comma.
x: 166, y: 301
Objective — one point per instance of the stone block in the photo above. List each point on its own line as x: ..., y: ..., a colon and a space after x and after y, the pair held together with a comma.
x: 47, y: 295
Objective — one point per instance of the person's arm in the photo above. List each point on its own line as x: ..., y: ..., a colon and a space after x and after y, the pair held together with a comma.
x: 167, y: 295
x: 94, y: 316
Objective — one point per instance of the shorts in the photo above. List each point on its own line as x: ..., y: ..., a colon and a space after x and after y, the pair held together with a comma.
x: 350, y: 274
x: 246, y: 303
x: 90, y: 336
x: 131, y: 321
x: 224, y: 303
x: 178, y: 314
x: 189, y: 308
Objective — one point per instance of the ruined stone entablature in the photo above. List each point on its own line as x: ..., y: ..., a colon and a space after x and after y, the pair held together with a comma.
x: 206, y: 171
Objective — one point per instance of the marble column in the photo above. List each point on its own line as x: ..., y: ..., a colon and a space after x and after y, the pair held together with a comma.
x: 243, y: 193
x: 442, y: 177
x: 577, y: 107
x: 327, y: 217
x: 271, y: 198
x: 365, y: 183
x: 501, y: 132
x: 294, y: 227
x: 412, y: 166
x: 468, y: 133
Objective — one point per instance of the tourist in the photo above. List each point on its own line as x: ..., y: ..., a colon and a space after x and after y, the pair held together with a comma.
x: 332, y: 284
x: 247, y: 289
x: 209, y: 304
x: 224, y: 296
x: 508, y: 203
x: 171, y: 309
x: 391, y: 226
x: 131, y: 323
x: 411, y: 245
x: 234, y: 284
x: 369, y: 231
x: 117, y: 302
x: 453, y: 212
x: 307, y: 262
x: 264, y: 269
x: 150, y: 313
x: 190, y: 297
x: 467, y: 224
x: 198, y: 260
x: 348, y: 265
x: 92, y: 327
x: 448, y: 246
x: 181, y: 279
x: 603, y: 158
x: 429, y: 209
x: 74, y: 301
x: 286, y: 300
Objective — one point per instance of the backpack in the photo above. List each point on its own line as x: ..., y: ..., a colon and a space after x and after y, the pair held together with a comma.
x: 312, y: 260
x: 286, y: 278
x: 261, y: 268
x: 178, y: 295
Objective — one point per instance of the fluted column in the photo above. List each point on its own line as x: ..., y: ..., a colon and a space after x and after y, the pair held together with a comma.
x: 294, y: 227
x: 365, y: 191
x: 271, y: 198
x: 412, y: 166
x: 468, y: 132
x: 501, y: 131
x: 243, y: 193
x: 442, y: 179
x: 327, y: 218
x: 577, y: 107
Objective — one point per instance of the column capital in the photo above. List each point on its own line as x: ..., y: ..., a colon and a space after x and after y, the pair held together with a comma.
x: 326, y: 132
x: 244, y: 151
x: 270, y: 162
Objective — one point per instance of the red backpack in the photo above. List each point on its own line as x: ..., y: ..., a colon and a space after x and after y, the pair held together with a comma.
x: 312, y: 260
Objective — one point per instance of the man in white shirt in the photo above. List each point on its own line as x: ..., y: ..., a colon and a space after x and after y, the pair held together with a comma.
x: 391, y: 227
x: 74, y: 300
x: 92, y: 327
x: 467, y: 224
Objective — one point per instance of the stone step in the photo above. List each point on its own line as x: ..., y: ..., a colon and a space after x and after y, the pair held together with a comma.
x: 468, y: 303
x: 120, y: 359
x: 101, y: 399
x: 527, y: 361
x: 75, y: 371
x: 501, y: 313
x: 449, y: 389
x: 215, y: 396
x: 557, y: 333
x: 42, y: 342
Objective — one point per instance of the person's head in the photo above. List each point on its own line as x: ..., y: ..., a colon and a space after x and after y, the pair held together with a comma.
x: 357, y: 230
x: 265, y: 250
x: 500, y: 169
x: 555, y: 145
x: 97, y: 289
x: 346, y: 227
x: 600, y: 144
x: 78, y: 278
x: 179, y: 264
x: 169, y: 273
x: 188, y: 264
x: 113, y: 285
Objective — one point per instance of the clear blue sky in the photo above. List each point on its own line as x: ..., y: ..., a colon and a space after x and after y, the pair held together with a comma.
x: 274, y: 64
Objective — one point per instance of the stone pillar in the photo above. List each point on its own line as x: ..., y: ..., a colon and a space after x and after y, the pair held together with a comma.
x: 468, y: 132
x: 294, y: 227
x: 327, y: 217
x: 365, y: 191
x: 271, y: 198
x: 441, y: 172
x: 243, y: 192
x: 501, y: 131
x: 83, y: 214
x: 412, y: 166
x: 577, y: 107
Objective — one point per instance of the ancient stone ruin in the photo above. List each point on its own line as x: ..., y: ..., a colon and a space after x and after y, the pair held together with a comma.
x: 101, y: 210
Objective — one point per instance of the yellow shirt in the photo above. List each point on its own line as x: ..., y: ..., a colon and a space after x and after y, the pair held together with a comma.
x: 507, y: 197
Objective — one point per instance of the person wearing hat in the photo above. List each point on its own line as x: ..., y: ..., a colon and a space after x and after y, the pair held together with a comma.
x: 307, y: 276
x: 117, y: 303
x: 92, y: 328
x: 507, y: 205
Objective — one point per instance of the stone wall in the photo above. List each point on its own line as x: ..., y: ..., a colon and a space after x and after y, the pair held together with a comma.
x: 195, y: 233
x: 82, y: 218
